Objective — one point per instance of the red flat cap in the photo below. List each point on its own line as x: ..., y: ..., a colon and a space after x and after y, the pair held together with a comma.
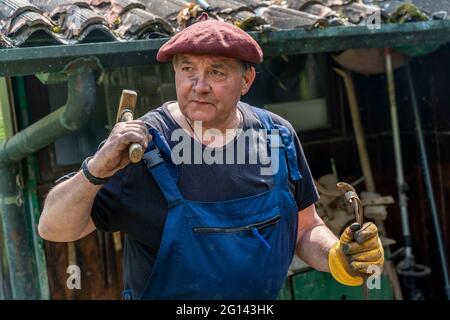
x: 212, y: 37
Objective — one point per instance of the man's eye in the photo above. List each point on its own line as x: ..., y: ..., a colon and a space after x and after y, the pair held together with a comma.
x: 217, y: 73
x: 187, y: 69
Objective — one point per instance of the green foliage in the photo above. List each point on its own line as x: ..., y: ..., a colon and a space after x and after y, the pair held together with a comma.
x: 407, y: 12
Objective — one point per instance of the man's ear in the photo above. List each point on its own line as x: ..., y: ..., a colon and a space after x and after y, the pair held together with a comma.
x: 174, y: 62
x: 247, y: 80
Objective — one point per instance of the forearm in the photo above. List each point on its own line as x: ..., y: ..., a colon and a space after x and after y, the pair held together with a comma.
x: 67, y: 208
x: 314, y: 245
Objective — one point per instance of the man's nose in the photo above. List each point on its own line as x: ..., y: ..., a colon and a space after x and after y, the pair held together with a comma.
x: 201, y: 85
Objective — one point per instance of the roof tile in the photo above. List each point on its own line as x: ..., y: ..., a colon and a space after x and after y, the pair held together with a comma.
x: 138, y: 23
x: 71, y: 21
x: 285, y: 18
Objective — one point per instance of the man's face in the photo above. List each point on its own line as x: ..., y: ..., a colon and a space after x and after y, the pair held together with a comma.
x: 209, y: 87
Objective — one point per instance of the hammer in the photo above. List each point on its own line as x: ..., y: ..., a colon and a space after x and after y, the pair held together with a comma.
x: 127, y: 105
x: 352, y: 198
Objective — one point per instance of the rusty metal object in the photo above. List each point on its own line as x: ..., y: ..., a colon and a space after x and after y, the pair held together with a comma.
x: 353, y: 199
x: 337, y: 215
x: 331, y: 207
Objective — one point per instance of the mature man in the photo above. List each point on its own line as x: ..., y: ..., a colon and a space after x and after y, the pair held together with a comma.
x: 209, y: 230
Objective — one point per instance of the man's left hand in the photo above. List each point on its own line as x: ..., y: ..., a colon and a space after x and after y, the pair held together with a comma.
x: 354, y: 253
x: 367, y: 250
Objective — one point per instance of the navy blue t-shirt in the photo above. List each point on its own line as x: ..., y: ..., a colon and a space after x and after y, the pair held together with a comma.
x: 131, y: 201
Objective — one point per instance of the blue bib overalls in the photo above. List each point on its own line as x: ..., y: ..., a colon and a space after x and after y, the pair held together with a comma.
x: 236, y: 249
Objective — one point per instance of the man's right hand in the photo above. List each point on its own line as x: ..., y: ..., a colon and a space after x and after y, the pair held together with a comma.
x: 113, y: 155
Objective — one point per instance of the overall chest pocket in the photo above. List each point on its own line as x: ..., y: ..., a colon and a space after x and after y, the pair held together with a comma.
x: 254, y: 229
x: 246, y: 228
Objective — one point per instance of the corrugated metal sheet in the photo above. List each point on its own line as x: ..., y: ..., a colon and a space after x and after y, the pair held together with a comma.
x: 31, y: 22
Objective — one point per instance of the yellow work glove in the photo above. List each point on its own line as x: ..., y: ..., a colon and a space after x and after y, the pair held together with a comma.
x: 351, y: 256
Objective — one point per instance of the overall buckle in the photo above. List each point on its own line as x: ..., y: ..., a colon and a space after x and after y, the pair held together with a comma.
x: 152, y: 158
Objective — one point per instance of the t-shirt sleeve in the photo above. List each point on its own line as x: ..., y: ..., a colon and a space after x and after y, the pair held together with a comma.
x: 305, y: 190
x: 107, y: 203
x: 107, y: 206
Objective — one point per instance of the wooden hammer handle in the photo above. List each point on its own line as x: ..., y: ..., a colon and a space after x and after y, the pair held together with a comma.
x: 126, y: 109
x: 135, y: 150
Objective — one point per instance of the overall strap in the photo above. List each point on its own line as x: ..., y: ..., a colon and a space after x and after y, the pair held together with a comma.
x: 280, y: 137
x: 291, y: 153
x: 157, y: 161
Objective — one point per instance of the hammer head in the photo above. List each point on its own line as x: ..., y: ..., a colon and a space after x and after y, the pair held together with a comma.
x: 127, y: 103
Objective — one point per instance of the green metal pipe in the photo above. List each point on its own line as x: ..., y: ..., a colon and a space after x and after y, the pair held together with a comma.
x: 30, y: 171
x: 5, y: 285
x: 68, y: 118
x: 19, y: 257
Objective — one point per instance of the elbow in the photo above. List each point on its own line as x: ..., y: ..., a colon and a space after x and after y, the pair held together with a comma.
x: 53, y: 233
x: 43, y: 225
x: 46, y: 228
x: 44, y: 231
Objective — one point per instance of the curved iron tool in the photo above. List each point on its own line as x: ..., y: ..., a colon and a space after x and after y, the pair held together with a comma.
x: 352, y: 198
